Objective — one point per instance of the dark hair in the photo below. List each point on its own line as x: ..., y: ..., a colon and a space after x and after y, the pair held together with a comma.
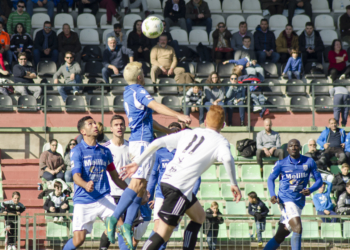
x: 309, y: 24
x: 134, y: 28
x: 347, y: 7
x: 289, y: 25
x: 65, y: 25
x: 348, y: 184
x: 57, y: 184
x: 117, y: 117
x: 67, y: 150
x: 209, y: 79
x: 81, y: 122
x: 163, y: 34
x: 253, y: 195
x: 264, y: 20
x: 15, y: 30
x: 52, y: 140
x: 117, y: 25
x: 2, y: 23
x: 21, y: 1
x: 333, y: 44
x: 47, y: 22
x: 242, y: 23
x: 16, y: 193
x: 69, y: 53
x: 21, y: 54
x: 246, y: 37
x: 175, y: 124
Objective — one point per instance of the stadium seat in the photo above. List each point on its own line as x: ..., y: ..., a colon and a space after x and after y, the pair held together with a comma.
x: 226, y: 193
x: 258, y: 188
x: 331, y: 231
x: 271, y: 70
x: 277, y: 187
x: 277, y: 32
x: 275, y: 210
x: 299, y: 21
x: 187, y: 66
x: 277, y: 101
x: 56, y: 231
x: 6, y: 104
x: 75, y: 104
x: 325, y: 53
x: 223, y: 174
x: 251, y: 173
x: 214, y: 6
x: 324, y: 22
x: 129, y: 20
x: 294, y: 88
x: 268, y: 233
x: 198, y: 36
x: 181, y: 36
x: 103, y: 22
x: 335, y: 169
x: 89, y: 37
x: 339, y: 5
x: 231, y: 6
x: 104, y: 35
x: 302, y: 102
x: 324, y: 101
x: 210, y: 191
x: 239, y: 231
x: 328, y: 36
x: 215, y: 20
x: 93, y: 69
x: 38, y: 20
x: 277, y: 22
x: 117, y: 90
x: 225, y: 70
x: 172, y: 102
x: 149, y: 89
x: 222, y: 235
x: 232, y: 21
x: 308, y: 209
x: 310, y: 230
x: 313, y: 75
x: 27, y: 103
x: 168, y: 90
x: 86, y: 21
x: 253, y: 21
x: 319, y: 89
x: 210, y: 174
x: 146, y: 67
x: 251, y: 6
x: 238, y: 209
x: 118, y: 104
x: 46, y: 68
x: 346, y: 230
x: 320, y: 6
x: 96, y: 102
x: 2, y: 231
x: 267, y: 171
x: 63, y: 18
x: 271, y: 89
x: 155, y: 5
x: 203, y: 69
x: 34, y: 32
x: 53, y: 103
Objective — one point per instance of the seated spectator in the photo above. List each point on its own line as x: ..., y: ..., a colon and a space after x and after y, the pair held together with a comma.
x: 68, y: 40
x: 163, y: 60
x: 111, y: 7
x: 235, y: 96
x: 133, y: 4
x: 5, y: 52
x: 119, y: 34
x: 343, y: 204
x: 268, y: 143
x: 90, y: 4
x: 48, y: 4
x: 338, y: 57
x: 340, y: 96
x: 56, y: 202
x: 114, y: 60
x: 68, y: 174
x: 222, y: 43
x: 310, y: 44
x: 21, y: 41
x: 45, y: 44
x: 174, y: 14
x: 237, y: 38
x: 139, y: 43
x: 345, y: 25
x: 316, y: 155
x: 340, y: 180
x: 51, y: 163
x: 304, y: 4
x: 273, y: 6
x: 193, y: 98
x: 293, y: 66
x: 71, y: 74
x: 332, y: 141
x: 198, y: 14
x: 264, y: 42
x: 323, y: 203
x: 23, y: 73
x: 19, y: 16
x: 287, y: 41
x: 5, y: 11
x: 63, y: 5
x: 212, y: 221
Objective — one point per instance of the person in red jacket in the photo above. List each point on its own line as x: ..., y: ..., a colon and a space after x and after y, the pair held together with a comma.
x: 337, y: 57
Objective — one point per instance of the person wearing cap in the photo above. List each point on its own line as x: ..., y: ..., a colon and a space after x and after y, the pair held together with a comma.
x: 345, y: 25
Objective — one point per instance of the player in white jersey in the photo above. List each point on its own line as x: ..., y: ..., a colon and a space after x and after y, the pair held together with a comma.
x: 196, y: 151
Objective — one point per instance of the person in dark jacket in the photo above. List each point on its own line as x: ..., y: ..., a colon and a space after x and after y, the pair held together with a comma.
x: 174, y: 14
x: 139, y: 43
x: 21, y: 42
x: 258, y: 209
x: 343, y: 204
x: 56, y: 202
x: 193, y: 98
x: 304, y: 4
x: 198, y: 14
x: 68, y: 41
x: 91, y: 4
x: 316, y: 155
x: 45, y: 44
x: 273, y: 6
x: 264, y: 42
x: 310, y: 44
x: 213, y: 219
x: 235, y: 96
x: 340, y: 180
x: 345, y: 25
x: 222, y: 43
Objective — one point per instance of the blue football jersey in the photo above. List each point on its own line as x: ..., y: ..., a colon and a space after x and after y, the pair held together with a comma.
x: 136, y: 100
x: 146, y: 212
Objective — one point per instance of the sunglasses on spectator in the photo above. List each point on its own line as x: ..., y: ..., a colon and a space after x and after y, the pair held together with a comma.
x: 312, y: 144
x: 23, y: 59
x: 233, y: 78
x: 54, y: 145
x: 69, y: 57
x: 47, y: 27
x: 221, y: 26
x: 73, y: 144
x: 20, y: 6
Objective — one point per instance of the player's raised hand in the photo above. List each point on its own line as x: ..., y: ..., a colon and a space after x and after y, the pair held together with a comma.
x: 236, y: 193
x: 305, y: 192
x: 185, y: 118
x: 151, y: 204
x: 89, y: 186
x: 275, y: 200
x: 128, y: 170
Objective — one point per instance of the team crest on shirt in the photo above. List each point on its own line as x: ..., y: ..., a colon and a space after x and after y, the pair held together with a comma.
x: 25, y: 37
x: 143, y: 91
x: 102, y: 151
x: 2, y: 41
x: 72, y: 164
x: 305, y: 167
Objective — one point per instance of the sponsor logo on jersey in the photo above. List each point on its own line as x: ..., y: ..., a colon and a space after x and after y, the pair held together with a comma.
x: 88, y: 163
x: 297, y: 175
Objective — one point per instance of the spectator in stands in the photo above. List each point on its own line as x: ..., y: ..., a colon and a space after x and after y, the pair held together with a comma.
x: 264, y: 42
x: 174, y: 14
x: 235, y: 96
x: 237, y: 37
x: 323, y: 203
x: 338, y: 57
x: 304, y: 4
x: 268, y: 143
x: 56, y: 202
x: 287, y: 41
x: 68, y: 174
x: 316, y: 155
x: 113, y: 59
x: 213, y: 219
x: 293, y: 66
x: 5, y: 11
x: 310, y: 44
x: 91, y: 4
x: 222, y: 43
x: 5, y: 51
x: 194, y: 96
x: 340, y: 96
x: 332, y: 141
x: 341, y: 179
x: 63, y: 5
x: 19, y: 16
x: 345, y: 25
x: 23, y: 73
x: 198, y: 14
x: 71, y: 74
x: 273, y: 6
x: 343, y: 204
x: 21, y: 41
x: 139, y: 43
x: 133, y: 4
x: 48, y: 4
x: 51, y: 163
x: 68, y: 40
x: 45, y: 44
x: 163, y: 60
x: 110, y: 7
x: 119, y: 34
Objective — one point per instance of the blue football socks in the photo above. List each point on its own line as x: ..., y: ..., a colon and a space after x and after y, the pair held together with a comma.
x: 125, y: 201
x: 69, y: 245
x: 296, y: 241
x: 272, y: 245
x: 132, y: 210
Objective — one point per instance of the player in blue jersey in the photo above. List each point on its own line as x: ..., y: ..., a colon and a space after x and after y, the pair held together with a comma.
x: 295, y: 171
x: 139, y: 106
x: 90, y: 162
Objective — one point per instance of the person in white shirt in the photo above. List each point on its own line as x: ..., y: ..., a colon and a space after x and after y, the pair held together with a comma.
x: 194, y: 155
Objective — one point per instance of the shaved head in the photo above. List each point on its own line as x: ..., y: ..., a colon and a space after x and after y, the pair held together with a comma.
x: 294, y: 148
x: 267, y: 125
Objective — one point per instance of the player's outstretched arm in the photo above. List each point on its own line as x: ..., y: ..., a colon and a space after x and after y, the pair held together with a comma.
x: 229, y: 164
x: 271, y: 182
x: 88, y: 186
x: 115, y: 177
x: 164, y: 110
x: 161, y: 128
x: 318, y: 180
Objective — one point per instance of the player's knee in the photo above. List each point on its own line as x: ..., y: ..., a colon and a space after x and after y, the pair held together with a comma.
x: 78, y: 239
x: 297, y: 228
x: 138, y: 185
x: 279, y: 239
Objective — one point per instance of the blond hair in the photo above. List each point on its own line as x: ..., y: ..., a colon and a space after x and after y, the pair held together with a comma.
x: 132, y: 71
x: 99, y: 127
x: 213, y: 204
x: 215, y: 117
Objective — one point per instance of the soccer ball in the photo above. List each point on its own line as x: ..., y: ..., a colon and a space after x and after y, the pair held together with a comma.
x: 152, y: 27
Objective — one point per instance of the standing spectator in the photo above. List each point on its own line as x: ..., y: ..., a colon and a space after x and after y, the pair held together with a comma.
x: 316, y: 155
x: 273, y: 6
x: 56, y: 202
x: 63, y: 5
x: 48, y: 4
x: 293, y: 66
x: 45, y: 44
x: 338, y: 57
x: 237, y: 37
x: 214, y: 95
x: 193, y: 98
x: 51, y: 163
x: 310, y: 44
x: 68, y: 174
x: 139, y: 43
x: 235, y: 96
x: 174, y: 14
x: 287, y: 41
x: 114, y: 60
x: 24, y: 73
x: 71, y: 73
x: 91, y: 4
x: 343, y: 204
x: 341, y: 179
x: 268, y: 143
x: 323, y: 202
x: 345, y: 25
x: 198, y: 14
x: 68, y: 40
x: 5, y: 51
x: 264, y: 42
x: 119, y: 35
x: 304, y: 4
x: 133, y: 4
x: 213, y: 219
x: 111, y: 7
x: 222, y: 43
x: 21, y: 41
x: 19, y: 16
x: 340, y: 96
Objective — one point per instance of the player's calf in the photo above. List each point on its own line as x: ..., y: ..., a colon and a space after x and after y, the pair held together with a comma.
x: 79, y: 238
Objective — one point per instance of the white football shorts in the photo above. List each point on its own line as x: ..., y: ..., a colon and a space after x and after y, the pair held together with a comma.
x: 135, y: 149
x: 140, y: 230
x: 289, y: 210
